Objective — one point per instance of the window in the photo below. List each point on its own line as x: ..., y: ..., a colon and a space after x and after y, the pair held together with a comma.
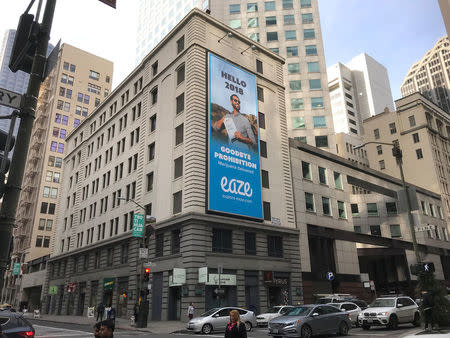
x: 392, y: 128
x: 354, y: 209
x: 265, y: 178
x: 263, y: 148
x: 375, y: 230
x: 290, y: 35
x: 412, y: 121
x: 306, y: 170
x: 379, y: 149
x: 49, y: 225
x: 288, y: 4
x: 415, y: 137
x: 42, y: 222
x: 357, y: 228
x: 250, y: 243
x: 109, y: 256
x: 293, y: 68
x: 395, y: 230
x: 382, y: 164
x: 180, y: 44
x: 432, y: 210
x: 259, y: 66
x: 376, y: 133
x: 313, y: 67
x: 337, y: 180
x: 309, y: 202
x: 66, y: 66
x: 321, y: 141
x: 295, y: 85
x: 39, y: 241
x: 154, y: 94
x: 272, y: 36
x: 151, y: 151
x: 309, y: 33
x: 86, y: 99
x: 289, y: 20
x: 222, y: 240
x: 326, y: 208
x: 319, y: 121
x: 72, y: 68
x: 424, y: 207
x: 252, y: 7
x: 179, y: 134
x: 297, y: 103
x: 419, y: 153
x: 180, y: 74
x: 316, y: 102
x: 252, y: 22
x: 307, y: 18
x: 178, y: 167
x: 254, y: 36
x: 76, y: 123
x: 271, y: 20
x: 266, y: 211
x: 153, y: 123
x: 323, y: 175
x: 159, y: 245
x: 180, y: 103
x: 150, y: 181
x: 177, y: 199
x: 372, y: 209
x: 305, y: 3
x: 260, y: 94
x: 341, y: 209
x: 269, y: 5
x: 391, y: 208
x: 261, y: 120
x: 94, y: 75
x: 234, y: 9
x: 274, y: 246
x: 315, y: 84
x: 292, y: 51
x: 235, y: 23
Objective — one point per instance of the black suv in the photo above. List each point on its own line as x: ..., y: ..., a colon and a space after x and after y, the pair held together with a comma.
x: 13, y: 325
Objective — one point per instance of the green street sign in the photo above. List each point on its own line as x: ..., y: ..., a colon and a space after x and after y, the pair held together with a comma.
x: 53, y: 290
x: 138, y: 225
x: 16, y: 269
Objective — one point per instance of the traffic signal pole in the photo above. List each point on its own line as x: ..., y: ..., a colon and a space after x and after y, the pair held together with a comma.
x: 27, y: 115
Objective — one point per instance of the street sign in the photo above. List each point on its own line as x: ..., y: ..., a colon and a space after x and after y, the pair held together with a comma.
x: 203, y: 275
x: 330, y: 275
x: 219, y: 291
x: 138, y: 225
x: 16, y: 269
x: 143, y: 253
x: 10, y: 99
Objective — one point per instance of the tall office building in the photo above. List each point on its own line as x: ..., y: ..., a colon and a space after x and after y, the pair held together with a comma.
x: 287, y: 27
x: 430, y: 76
x: 74, y: 88
x: 445, y: 10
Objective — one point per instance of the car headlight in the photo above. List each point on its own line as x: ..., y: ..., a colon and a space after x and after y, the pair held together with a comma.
x: 382, y: 313
x: 293, y: 323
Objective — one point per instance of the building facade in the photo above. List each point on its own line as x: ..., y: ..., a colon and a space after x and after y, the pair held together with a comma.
x: 74, y: 88
x: 147, y: 144
x: 430, y: 75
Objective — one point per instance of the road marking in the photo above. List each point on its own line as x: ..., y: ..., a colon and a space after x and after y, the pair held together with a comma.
x: 66, y: 332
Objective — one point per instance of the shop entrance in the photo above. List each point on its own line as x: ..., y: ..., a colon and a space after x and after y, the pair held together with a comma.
x: 108, y: 287
x: 157, y: 292
x: 227, y: 297
x: 175, y: 303
x: 81, y: 298
x: 252, y: 291
x: 277, y: 285
x: 122, y: 299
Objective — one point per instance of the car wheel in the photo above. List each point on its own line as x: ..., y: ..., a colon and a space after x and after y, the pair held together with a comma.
x: 343, y: 329
x: 207, y: 329
x: 248, y: 326
x: 416, y: 321
x: 306, y: 331
x: 393, y: 322
x: 365, y: 327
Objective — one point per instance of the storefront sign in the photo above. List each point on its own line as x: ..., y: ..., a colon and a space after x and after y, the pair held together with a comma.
x: 203, y: 275
x: 108, y: 283
x: 53, y: 290
x: 234, y: 177
x: 225, y: 279
x: 138, y: 225
x: 277, y: 281
x: 16, y: 269
x: 172, y: 283
x: 179, y: 276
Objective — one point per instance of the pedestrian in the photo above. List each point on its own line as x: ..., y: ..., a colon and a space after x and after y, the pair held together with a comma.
x: 97, y: 327
x: 106, y: 329
x: 235, y: 328
x: 112, y: 315
x: 427, y: 306
x: 100, y: 311
x: 136, y: 312
x: 190, y: 311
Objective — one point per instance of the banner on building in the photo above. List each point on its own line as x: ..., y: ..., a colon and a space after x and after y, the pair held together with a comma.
x: 234, y: 173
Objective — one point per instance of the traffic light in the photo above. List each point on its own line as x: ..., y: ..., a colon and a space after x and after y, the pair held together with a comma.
x: 424, y: 267
x: 428, y: 267
x: 25, y: 43
x: 5, y: 148
x: 147, y: 275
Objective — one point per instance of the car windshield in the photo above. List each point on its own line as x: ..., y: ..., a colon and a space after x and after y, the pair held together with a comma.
x: 208, y: 313
x: 299, y: 311
x: 383, y: 302
x: 273, y: 310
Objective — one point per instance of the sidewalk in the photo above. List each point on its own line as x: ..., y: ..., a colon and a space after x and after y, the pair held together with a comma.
x: 156, y: 327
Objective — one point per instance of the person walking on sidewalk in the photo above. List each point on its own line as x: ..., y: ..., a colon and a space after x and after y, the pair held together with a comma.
x: 428, y: 305
x: 100, y: 311
x: 190, y: 311
x: 235, y: 328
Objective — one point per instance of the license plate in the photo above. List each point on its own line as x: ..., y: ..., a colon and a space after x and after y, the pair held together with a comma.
x: 370, y: 320
x: 275, y: 330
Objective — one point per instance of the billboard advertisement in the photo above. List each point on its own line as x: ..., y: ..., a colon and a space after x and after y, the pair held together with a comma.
x: 234, y: 173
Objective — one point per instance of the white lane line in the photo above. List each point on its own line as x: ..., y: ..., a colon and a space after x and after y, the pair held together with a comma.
x: 59, y: 329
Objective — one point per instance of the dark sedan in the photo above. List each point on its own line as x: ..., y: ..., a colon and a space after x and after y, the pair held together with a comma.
x: 13, y: 325
x: 310, y: 320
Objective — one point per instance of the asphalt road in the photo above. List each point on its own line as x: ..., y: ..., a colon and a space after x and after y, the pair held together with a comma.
x: 61, y: 330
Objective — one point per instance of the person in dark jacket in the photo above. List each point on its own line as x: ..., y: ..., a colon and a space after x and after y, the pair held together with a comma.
x: 100, y: 311
x: 235, y: 328
x: 427, y: 306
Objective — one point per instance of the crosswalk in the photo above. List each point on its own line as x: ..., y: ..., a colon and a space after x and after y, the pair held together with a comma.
x: 43, y: 331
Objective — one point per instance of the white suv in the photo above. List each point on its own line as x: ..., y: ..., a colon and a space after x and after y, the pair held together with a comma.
x: 390, y: 311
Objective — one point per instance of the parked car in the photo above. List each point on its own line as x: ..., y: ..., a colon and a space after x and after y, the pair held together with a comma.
x: 390, y: 311
x: 351, y: 308
x: 333, y: 298
x: 362, y: 304
x: 14, y: 325
x: 216, y: 320
x: 274, y: 312
x: 308, y: 320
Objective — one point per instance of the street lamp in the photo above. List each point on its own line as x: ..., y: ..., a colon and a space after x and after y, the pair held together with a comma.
x: 397, y: 153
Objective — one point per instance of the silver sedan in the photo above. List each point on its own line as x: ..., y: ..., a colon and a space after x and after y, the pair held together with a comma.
x: 217, y: 319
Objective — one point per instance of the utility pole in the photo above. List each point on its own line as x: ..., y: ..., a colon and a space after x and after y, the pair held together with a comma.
x: 27, y: 115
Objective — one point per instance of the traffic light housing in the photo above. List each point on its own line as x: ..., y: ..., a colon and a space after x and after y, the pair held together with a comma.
x: 5, y: 148
x: 25, y: 43
x: 424, y: 267
x: 146, y: 275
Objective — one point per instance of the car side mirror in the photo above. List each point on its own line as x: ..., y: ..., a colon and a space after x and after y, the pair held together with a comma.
x: 399, y: 305
x: 315, y: 314
x: 216, y: 315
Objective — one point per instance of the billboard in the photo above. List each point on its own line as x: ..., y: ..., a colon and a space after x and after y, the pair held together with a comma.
x: 234, y: 173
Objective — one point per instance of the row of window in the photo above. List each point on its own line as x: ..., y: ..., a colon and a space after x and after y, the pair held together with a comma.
x: 272, y: 21
x: 297, y: 103
x: 322, y: 175
x: 298, y: 122
x: 372, y: 209
x: 252, y: 7
x: 432, y: 210
x: 42, y: 241
x: 320, y: 141
x: 310, y: 206
x: 296, y: 85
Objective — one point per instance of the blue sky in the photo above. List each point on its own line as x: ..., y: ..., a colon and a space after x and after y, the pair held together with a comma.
x: 396, y: 33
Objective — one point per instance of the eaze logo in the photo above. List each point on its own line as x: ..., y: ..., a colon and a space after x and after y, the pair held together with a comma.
x: 236, y: 187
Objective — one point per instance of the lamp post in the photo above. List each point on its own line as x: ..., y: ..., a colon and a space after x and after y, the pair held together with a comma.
x: 397, y: 153
x: 143, y: 304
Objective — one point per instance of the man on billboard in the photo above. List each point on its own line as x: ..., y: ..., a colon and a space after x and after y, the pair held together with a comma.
x: 237, y: 126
